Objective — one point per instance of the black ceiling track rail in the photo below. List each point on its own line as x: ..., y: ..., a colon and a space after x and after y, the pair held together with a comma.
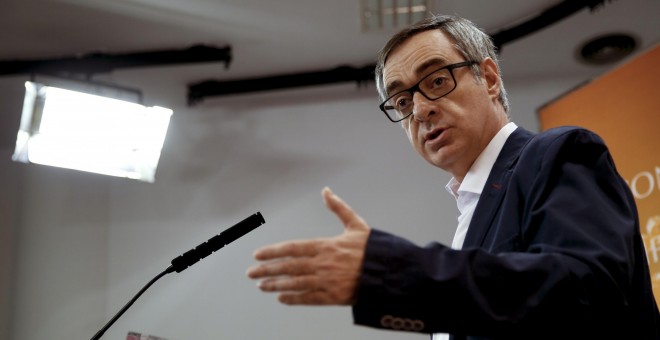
x: 198, y: 91
x: 87, y: 65
x: 544, y: 19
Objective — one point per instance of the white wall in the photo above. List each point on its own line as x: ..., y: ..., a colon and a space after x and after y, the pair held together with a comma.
x: 9, y: 196
x: 82, y: 245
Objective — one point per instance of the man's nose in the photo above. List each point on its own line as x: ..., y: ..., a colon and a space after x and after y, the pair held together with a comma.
x: 423, y: 107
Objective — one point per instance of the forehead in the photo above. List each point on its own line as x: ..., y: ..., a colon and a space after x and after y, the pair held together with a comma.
x: 414, y: 56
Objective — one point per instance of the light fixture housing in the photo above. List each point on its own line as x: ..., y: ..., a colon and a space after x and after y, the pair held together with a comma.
x: 607, y: 49
x: 92, y: 133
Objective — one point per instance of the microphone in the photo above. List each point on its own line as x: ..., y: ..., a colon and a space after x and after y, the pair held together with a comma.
x: 226, y: 237
x: 192, y: 256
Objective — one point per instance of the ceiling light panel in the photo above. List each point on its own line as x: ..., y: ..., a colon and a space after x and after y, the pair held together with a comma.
x: 85, y: 132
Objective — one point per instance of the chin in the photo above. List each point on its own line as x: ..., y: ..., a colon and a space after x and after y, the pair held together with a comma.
x: 439, y: 159
x: 436, y: 161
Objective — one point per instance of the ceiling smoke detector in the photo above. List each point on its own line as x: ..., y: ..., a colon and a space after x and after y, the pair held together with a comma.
x: 381, y: 15
x: 607, y: 49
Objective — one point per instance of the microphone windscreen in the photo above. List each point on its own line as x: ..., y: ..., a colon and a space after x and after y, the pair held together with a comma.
x: 205, y: 249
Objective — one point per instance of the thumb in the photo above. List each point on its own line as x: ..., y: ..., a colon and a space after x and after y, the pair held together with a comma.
x: 347, y: 216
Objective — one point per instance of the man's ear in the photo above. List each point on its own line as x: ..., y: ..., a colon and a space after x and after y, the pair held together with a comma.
x: 491, y: 75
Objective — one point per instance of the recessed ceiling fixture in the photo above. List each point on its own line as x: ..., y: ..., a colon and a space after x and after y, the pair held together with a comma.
x: 379, y: 15
x: 607, y: 49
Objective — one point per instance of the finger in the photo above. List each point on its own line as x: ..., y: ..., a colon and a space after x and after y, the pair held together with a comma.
x: 315, y: 297
x: 346, y: 214
x: 289, y: 283
x: 287, y: 249
x: 278, y: 268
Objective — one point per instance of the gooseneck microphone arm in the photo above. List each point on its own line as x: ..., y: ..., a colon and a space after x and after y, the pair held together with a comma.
x: 130, y: 303
x: 192, y: 256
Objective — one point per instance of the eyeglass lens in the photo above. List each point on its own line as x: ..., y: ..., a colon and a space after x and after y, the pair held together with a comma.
x: 433, y: 86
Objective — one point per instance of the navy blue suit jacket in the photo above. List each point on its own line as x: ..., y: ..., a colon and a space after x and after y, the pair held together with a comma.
x: 553, y: 251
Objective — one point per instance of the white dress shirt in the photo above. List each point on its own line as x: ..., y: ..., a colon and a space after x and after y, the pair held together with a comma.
x: 467, y: 193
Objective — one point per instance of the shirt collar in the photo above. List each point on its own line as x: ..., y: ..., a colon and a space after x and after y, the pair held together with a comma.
x: 476, y: 177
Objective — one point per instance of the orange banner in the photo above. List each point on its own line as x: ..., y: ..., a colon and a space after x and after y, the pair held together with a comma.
x: 623, y: 107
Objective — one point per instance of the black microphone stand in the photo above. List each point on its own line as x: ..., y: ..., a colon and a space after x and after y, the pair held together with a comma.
x: 192, y: 256
x: 130, y: 303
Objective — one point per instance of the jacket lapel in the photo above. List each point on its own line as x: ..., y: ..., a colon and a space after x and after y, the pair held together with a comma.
x: 495, y: 187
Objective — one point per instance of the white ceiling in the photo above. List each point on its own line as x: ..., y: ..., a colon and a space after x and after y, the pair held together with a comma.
x: 284, y: 36
x: 281, y: 37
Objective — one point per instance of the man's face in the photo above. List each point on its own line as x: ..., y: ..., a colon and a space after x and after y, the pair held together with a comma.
x: 452, y: 131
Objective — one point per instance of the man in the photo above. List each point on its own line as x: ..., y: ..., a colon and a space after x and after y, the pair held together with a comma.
x: 547, y: 245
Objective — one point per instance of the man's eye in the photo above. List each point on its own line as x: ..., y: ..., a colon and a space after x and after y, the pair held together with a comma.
x: 439, y: 81
x: 401, y: 102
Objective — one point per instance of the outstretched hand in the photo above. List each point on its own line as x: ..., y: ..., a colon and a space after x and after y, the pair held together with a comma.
x: 322, y: 271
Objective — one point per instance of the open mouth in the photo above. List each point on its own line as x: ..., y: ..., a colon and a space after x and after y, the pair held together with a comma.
x: 433, y: 135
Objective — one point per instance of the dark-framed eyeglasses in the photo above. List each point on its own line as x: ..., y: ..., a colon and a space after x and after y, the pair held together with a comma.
x: 433, y: 86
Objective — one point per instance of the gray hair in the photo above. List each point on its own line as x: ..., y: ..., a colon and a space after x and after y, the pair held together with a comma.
x: 469, y: 40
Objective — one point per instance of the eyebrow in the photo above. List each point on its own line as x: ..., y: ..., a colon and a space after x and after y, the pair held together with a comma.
x: 419, y: 71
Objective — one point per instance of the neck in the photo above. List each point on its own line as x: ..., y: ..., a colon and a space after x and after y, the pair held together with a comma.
x: 461, y: 171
